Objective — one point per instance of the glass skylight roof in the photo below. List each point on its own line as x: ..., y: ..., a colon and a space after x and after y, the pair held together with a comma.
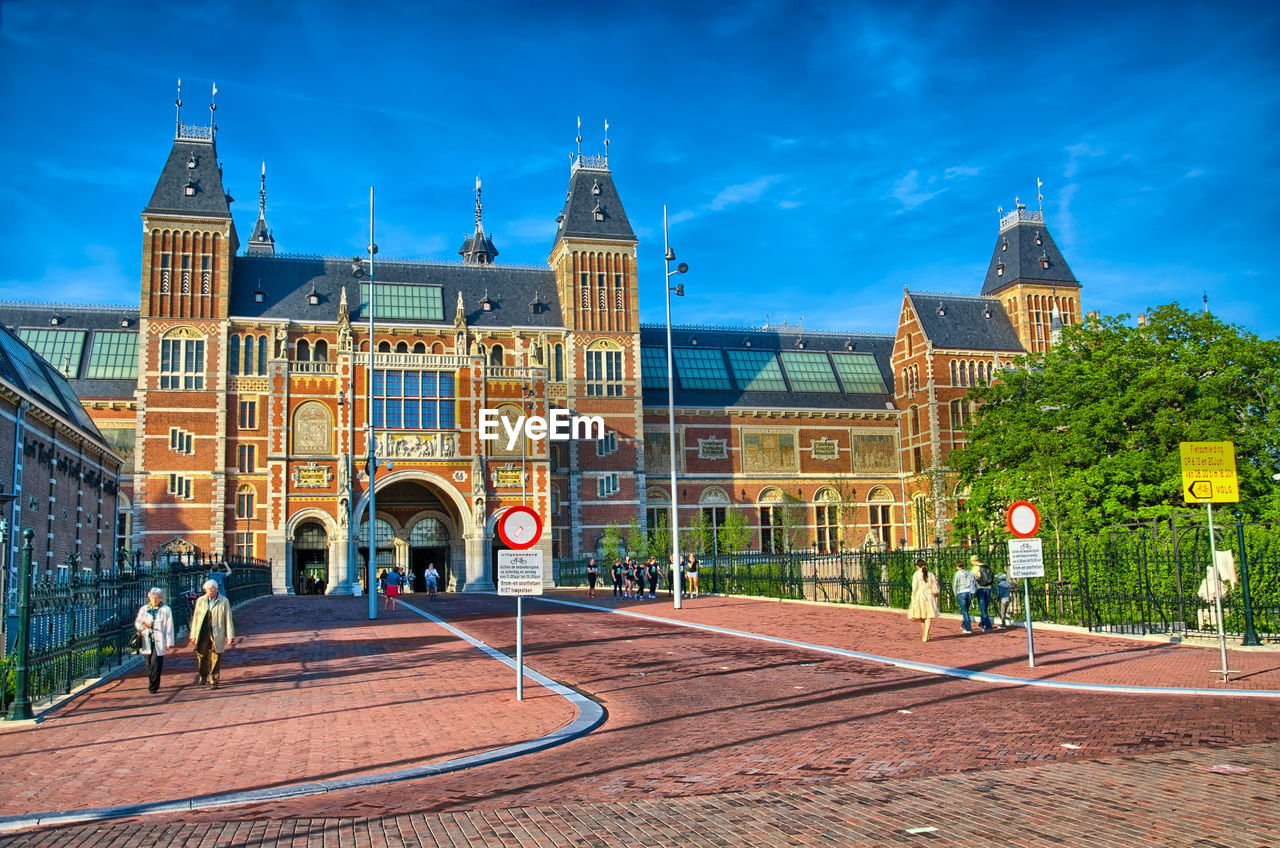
x: 62, y: 348
x: 401, y: 300
x: 809, y: 371
x: 859, y: 373
x: 701, y: 368
x: 756, y: 370
x: 653, y: 367
x: 113, y: 356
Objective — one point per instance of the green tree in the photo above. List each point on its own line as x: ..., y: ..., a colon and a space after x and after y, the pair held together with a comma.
x: 697, y: 537
x: 789, y: 523
x: 1089, y: 431
x: 659, y: 543
x: 637, y: 539
x: 611, y: 544
x: 735, y: 533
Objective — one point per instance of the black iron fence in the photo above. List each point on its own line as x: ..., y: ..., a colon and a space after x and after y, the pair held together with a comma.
x: 81, y: 618
x: 1151, y: 579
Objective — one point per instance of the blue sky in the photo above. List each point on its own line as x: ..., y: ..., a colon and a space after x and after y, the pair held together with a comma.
x: 815, y: 157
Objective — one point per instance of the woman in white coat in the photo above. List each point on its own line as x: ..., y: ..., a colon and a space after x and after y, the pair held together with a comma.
x: 155, y: 622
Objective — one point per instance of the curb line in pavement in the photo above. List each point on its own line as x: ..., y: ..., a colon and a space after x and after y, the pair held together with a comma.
x: 930, y: 668
x: 590, y: 716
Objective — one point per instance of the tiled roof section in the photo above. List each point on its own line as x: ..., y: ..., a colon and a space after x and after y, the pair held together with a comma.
x: 22, y: 367
x: 286, y: 283
x: 1017, y: 249
x: 953, y: 321
x: 262, y: 242
x: 17, y: 316
x: 880, y: 346
x: 592, y: 208
x: 193, y: 163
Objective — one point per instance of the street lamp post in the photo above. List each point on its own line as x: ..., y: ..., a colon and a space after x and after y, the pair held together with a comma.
x: 357, y: 270
x: 668, y: 257
x: 21, y: 707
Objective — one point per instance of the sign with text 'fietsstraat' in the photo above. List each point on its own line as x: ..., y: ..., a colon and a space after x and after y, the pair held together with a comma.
x: 520, y: 572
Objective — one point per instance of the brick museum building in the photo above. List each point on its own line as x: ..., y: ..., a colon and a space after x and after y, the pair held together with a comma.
x: 238, y: 391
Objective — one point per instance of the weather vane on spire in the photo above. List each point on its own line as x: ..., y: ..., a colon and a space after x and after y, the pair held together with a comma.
x: 262, y: 193
x: 478, y: 225
x: 579, y: 139
x: 178, y: 105
x: 213, y: 107
x: 1039, y: 185
x: 606, y: 139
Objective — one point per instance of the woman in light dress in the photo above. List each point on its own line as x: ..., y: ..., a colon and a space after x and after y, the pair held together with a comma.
x: 924, y: 598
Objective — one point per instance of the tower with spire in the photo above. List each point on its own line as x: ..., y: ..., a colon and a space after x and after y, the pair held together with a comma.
x: 1031, y: 279
x: 261, y: 242
x: 477, y: 248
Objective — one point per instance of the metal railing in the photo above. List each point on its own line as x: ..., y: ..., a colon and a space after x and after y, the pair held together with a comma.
x: 1144, y: 580
x: 81, y: 619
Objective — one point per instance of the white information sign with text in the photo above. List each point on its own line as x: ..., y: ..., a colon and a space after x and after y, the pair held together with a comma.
x: 520, y: 572
x: 1026, y: 558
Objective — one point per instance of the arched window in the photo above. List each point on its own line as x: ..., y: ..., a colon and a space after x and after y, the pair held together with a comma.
x: 915, y: 420
x: 245, y: 497
x: 559, y: 363
x: 771, y: 535
x: 954, y: 376
x: 438, y: 347
x: 320, y: 351
x: 384, y: 538
x: 973, y: 374
x: 250, y: 347
x: 124, y: 523
x: 420, y: 347
x: 384, y: 347
x: 303, y: 350
x: 262, y: 354
x: 402, y: 347
x: 827, y: 520
x: 495, y: 355
x: 182, y: 360
x: 233, y: 355
x: 880, y: 516
x: 429, y: 533
x: 604, y: 369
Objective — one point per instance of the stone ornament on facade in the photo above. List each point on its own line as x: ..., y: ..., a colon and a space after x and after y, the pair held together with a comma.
x: 460, y: 476
x: 875, y: 453
x: 713, y: 448
x: 768, y: 451
x: 416, y: 445
x: 824, y: 449
x: 312, y: 476
x: 313, y: 429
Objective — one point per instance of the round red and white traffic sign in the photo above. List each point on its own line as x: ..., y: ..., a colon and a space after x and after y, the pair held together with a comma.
x: 1023, y: 519
x: 520, y: 527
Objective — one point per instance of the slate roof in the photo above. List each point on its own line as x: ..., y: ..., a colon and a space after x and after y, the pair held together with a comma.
x: 261, y: 241
x: 967, y: 323
x: 591, y: 185
x: 16, y: 316
x: 1016, y: 247
x: 170, y: 197
x: 776, y: 340
x: 286, y: 282
x: 24, y: 368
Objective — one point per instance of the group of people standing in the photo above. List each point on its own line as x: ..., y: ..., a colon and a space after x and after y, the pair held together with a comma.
x: 630, y: 578
x: 969, y: 583
x: 212, y: 631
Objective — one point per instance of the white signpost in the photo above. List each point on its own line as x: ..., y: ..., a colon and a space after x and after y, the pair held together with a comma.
x: 520, y: 573
x: 1026, y: 558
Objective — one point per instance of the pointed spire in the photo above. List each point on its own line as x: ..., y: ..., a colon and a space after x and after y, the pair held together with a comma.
x: 262, y: 193
x: 177, y: 129
x: 1040, y: 194
x: 477, y: 248
x: 606, y: 139
x: 261, y: 241
x: 579, y: 139
x: 479, y: 226
x: 460, y: 313
x: 213, y: 107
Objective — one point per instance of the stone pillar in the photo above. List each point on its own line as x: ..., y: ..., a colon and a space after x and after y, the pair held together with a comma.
x: 477, y: 577
x: 402, y: 563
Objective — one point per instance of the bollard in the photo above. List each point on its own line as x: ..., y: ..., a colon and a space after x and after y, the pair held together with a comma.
x: 21, y: 706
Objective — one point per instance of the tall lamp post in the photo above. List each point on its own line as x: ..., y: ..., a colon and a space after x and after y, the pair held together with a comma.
x: 668, y: 257
x: 5, y: 544
x: 371, y: 582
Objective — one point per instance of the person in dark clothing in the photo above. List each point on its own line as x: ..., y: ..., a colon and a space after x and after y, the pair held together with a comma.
x: 617, y: 579
x: 593, y: 574
x: 651, y: 570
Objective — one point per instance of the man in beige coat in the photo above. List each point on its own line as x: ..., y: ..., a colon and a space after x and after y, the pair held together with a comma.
x: 212, y: 632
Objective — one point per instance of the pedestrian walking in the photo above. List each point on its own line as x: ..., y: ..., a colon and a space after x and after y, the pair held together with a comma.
x: 652, y: 572
x: 964, y: 586
x: 924, y: 598
x: 593, y: 574
x: 637, y: 574
x: 433, y: 580
x: 692, y: 571
x: 616, y: 574
x: 212, y: 632
x: 1004, y: 592
x: 392, y: 590
x: 983, y: 577
x: 155, y: 622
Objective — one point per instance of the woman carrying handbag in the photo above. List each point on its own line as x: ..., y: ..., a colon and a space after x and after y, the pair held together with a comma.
x: 154, y: 624
x: 924, y: 598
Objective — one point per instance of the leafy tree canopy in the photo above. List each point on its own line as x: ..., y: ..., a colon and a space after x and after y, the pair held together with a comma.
x: 1089, y: 431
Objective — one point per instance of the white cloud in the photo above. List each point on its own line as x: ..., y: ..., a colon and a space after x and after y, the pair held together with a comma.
x: 534, y: 229
x: 961, y: 171
x: 789, y: 204
x: 1076, y: 153
x: 742, y: 193
x: 909, y: 193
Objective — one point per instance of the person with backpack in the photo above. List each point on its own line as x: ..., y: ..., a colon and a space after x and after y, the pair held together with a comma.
x: 964, y: 587
x: 985, y: 579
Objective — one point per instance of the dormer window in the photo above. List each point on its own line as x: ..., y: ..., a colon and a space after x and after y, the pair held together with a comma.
x: 598, y: 211
x: 747, y: 343
x: 1044, y: 260
x: 986, y: 313
x: 693, y: 341
x: 55, y: 321
x: 800, y: 344
x: 259, y: 296
x: 595, y: 186
x: 189, y: 189
x: 313, y: 296
x: 191, y: 162
x: 1038, y: 237
x: 1000, y: 270
x: 1004, y: 245
x: 942, y: 310
x: 486, y: 305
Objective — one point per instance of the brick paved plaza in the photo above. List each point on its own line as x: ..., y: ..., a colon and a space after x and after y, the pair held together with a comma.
x: 709, y: 738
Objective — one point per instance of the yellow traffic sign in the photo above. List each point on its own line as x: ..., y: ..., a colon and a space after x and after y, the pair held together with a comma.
x: 1209, y: 472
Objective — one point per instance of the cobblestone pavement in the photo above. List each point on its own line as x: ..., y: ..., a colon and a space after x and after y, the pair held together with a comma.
x: 713, y: 739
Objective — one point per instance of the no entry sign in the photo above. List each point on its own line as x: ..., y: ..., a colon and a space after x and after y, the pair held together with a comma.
x: 1023, y: 519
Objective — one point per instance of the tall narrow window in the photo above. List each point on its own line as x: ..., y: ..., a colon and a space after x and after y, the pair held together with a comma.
x: 247, y: 457
x: 248, y: 415
x: 250, y: 346
x: 881, y: 523
x: 604, y: 373
x: 559, y: 363
x: 182, y: 360
x: 233, y: 355
x: 920, y: 508
x: 244, y: 502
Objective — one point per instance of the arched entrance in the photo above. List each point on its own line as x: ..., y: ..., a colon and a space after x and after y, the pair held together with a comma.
x: 429, y: 545
x: 420, y: 522
x: 310, y: 559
